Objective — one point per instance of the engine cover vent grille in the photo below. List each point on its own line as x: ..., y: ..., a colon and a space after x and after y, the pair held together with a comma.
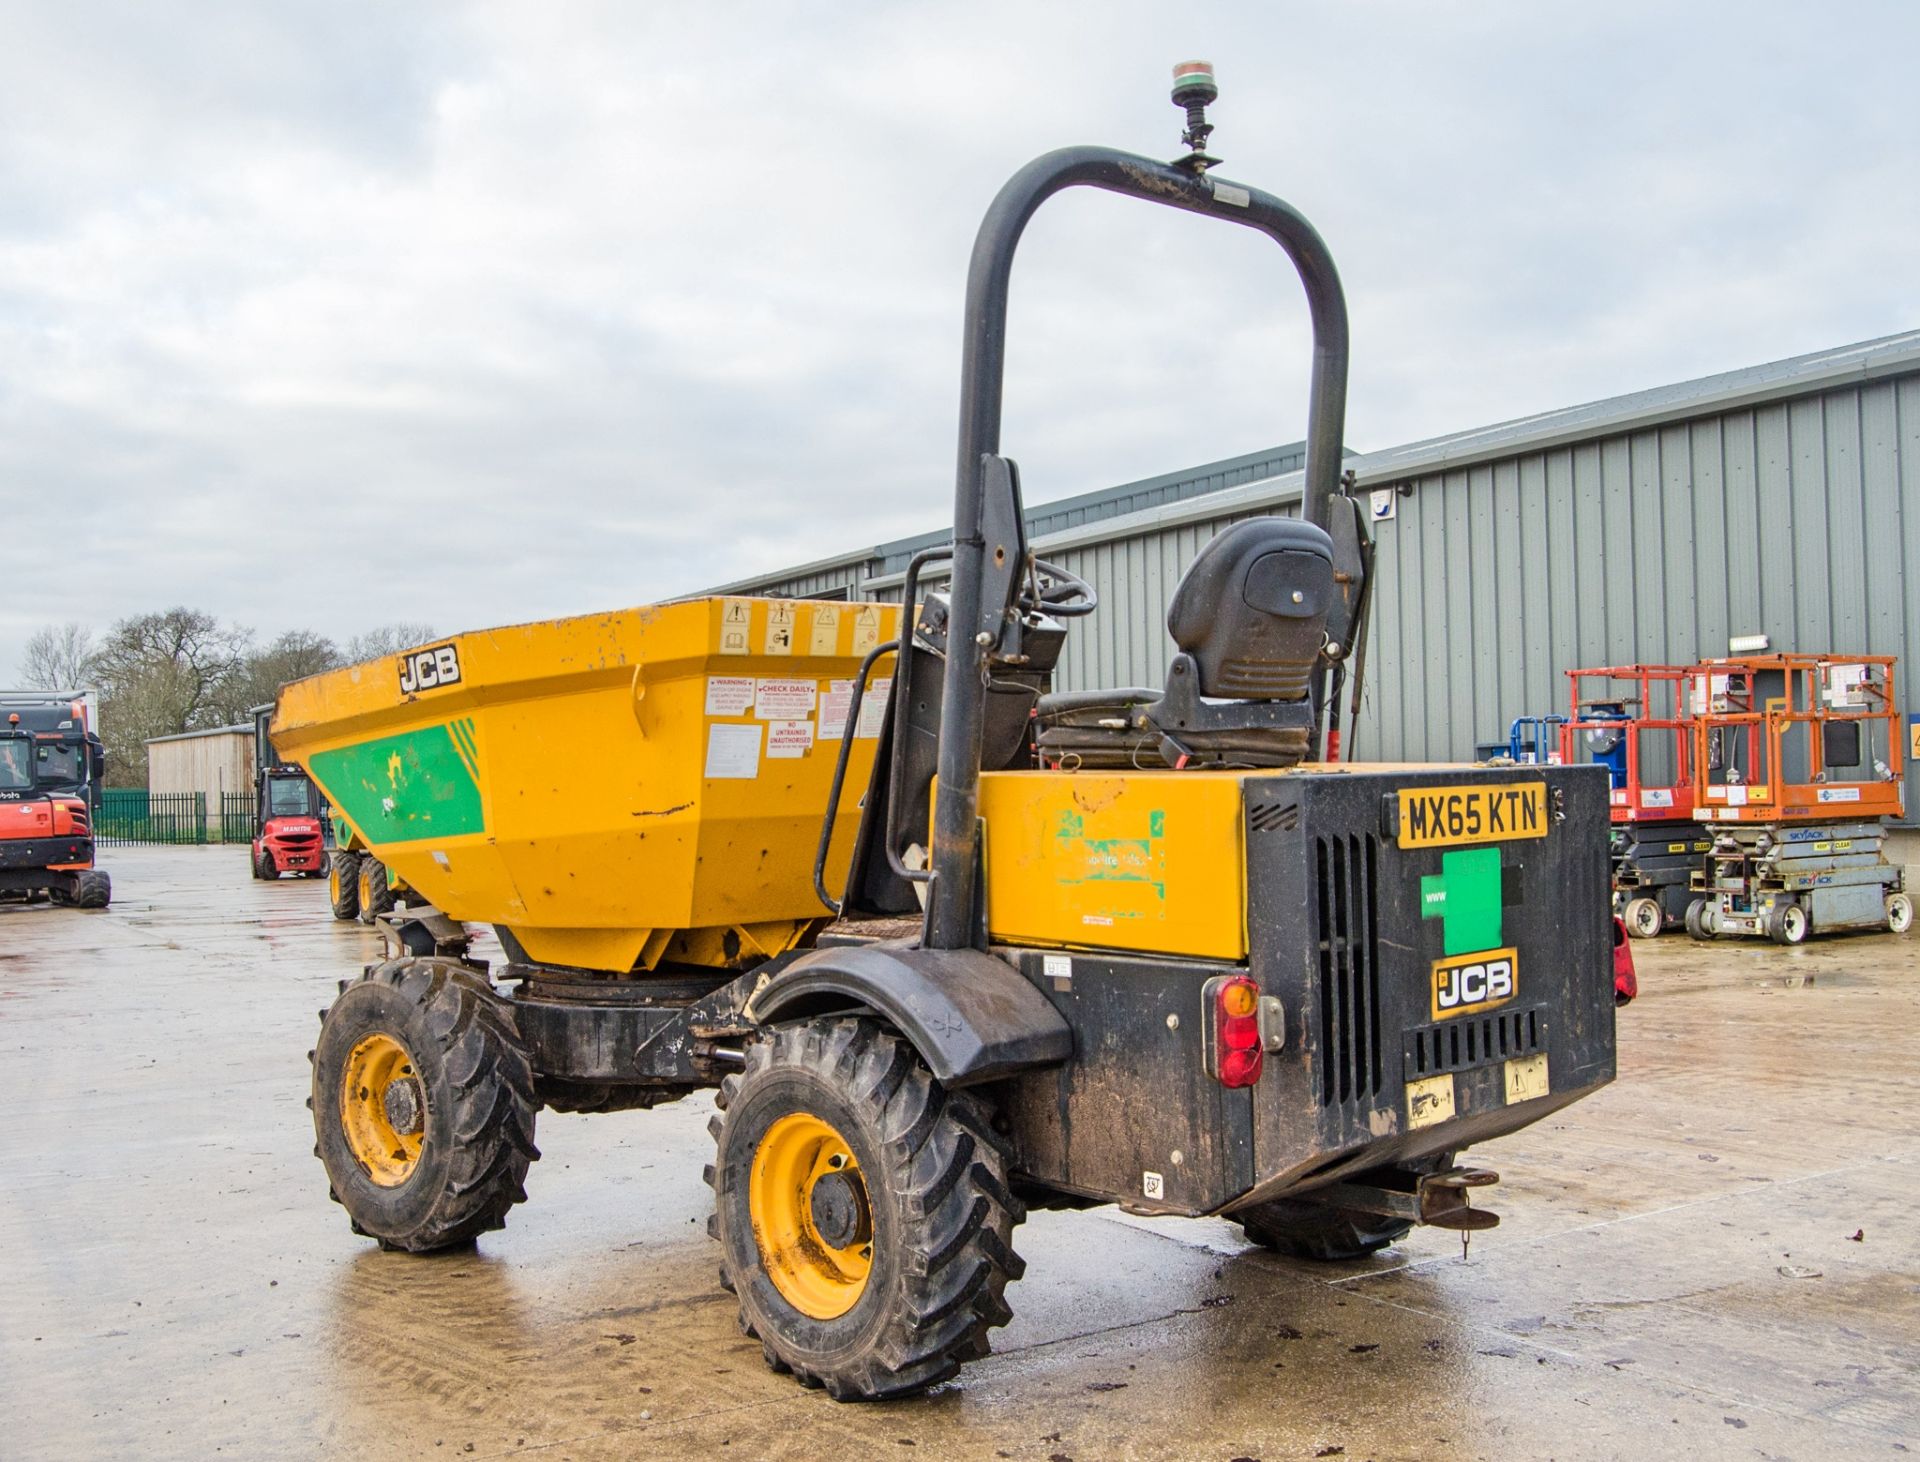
x: 1464, y: 1043
x: 1348, y: 988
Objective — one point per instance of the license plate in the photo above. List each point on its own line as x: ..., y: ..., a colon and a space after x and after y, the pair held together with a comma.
x: 1439, y: 817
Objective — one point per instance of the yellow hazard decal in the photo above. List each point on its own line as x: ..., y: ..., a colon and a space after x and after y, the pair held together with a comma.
x: 1429, y: 1101
x: 1526, y: 1078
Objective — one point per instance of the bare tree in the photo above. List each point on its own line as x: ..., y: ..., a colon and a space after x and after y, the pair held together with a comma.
x: 183, y: 670
x: 57, y: 657
x: 294, y: 656
x: 387, y: 639
x: 161, y: 674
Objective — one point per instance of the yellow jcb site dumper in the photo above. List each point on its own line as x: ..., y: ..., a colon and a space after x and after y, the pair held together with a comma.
x: 940, y: 975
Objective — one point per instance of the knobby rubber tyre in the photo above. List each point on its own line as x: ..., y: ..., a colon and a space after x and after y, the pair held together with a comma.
x: 1313, y: 1231
x: 936, y: 1194
x: 93, y: 890
x: 343, y: 885
x: 375, y: 897
x: 472, y: 1077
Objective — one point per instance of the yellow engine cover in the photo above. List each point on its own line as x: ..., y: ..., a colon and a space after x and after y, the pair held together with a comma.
x: 1139, y: 860
x: 615, y: 789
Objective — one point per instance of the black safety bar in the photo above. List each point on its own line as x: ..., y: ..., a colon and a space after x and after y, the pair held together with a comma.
x: 952, y: 898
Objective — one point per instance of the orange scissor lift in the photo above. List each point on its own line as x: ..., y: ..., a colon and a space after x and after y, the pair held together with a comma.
x: 1799, y: 763
x: 1633, y: 719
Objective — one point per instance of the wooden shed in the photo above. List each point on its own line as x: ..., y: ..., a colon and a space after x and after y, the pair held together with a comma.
x: 214, y: 762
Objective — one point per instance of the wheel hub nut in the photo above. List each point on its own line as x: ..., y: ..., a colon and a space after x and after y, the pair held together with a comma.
x: 406, y: 1107
x: 839, y: 1209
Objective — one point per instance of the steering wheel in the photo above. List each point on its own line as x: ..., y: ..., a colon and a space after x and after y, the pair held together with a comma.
x: 1065, y: 596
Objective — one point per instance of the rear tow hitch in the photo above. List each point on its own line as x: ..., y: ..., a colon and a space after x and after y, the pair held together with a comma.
x: 1439, y: 1199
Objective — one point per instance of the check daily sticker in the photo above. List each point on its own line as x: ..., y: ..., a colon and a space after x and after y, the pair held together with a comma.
x: 784, y: 700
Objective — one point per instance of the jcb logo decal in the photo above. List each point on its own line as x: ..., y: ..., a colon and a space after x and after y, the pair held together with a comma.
x: 1468, y: 984
x: 429, y: 669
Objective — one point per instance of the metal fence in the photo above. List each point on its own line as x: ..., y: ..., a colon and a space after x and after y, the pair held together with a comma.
x: 131, y: 815
x: 236, y: 817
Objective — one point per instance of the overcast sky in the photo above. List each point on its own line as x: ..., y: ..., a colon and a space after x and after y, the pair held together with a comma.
x: 325, y: 315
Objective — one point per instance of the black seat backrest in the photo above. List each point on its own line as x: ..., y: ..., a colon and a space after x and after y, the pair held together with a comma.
x: 1252, y: 609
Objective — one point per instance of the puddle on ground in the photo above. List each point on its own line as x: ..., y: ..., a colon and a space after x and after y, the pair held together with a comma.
x: 1797, y: 979
x: 1811, y: 978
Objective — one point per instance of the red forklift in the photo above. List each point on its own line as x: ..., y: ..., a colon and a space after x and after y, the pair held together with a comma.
x: 1634, y: 720
x: 289, y: 815
x: 51, y: 766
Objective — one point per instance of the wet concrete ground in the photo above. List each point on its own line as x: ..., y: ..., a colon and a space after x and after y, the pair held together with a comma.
x: 1714, y: 1257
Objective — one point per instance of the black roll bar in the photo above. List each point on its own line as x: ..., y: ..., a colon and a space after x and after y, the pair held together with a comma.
x: 953, y: 894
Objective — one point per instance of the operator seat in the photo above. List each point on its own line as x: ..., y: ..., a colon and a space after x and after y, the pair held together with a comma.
x: 1249, y: 620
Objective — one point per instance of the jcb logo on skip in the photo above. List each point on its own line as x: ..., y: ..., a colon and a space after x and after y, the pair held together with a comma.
x: 429, y: 669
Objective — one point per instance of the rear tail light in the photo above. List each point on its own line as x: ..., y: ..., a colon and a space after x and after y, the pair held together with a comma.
x: 1235, y: 1050
x: 1626, y: 984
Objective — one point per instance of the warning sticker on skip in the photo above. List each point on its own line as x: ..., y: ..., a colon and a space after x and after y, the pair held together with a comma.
x: 729, y: 695
x: 780, y: 618
x: 733, y: 750
x: 826, y: 630
x: 835, y: 702
x: 873, y: 707
x: 789, y: 738
x: 784, y: 700
x: 736, y: 620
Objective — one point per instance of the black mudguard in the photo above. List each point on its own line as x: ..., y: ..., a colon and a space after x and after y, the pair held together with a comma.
x: 971, y: 1016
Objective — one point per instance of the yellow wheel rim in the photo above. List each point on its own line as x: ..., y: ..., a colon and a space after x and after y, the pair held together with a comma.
x: 819, y: 1278
x: 383, y: 1110
x: 333, y: 882
x: 365, y: 888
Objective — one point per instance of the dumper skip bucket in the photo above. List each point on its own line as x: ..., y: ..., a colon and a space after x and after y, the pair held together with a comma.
x: 612, y: 791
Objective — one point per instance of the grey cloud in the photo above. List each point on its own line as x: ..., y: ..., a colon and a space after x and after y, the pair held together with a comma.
x: 321, y: 316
